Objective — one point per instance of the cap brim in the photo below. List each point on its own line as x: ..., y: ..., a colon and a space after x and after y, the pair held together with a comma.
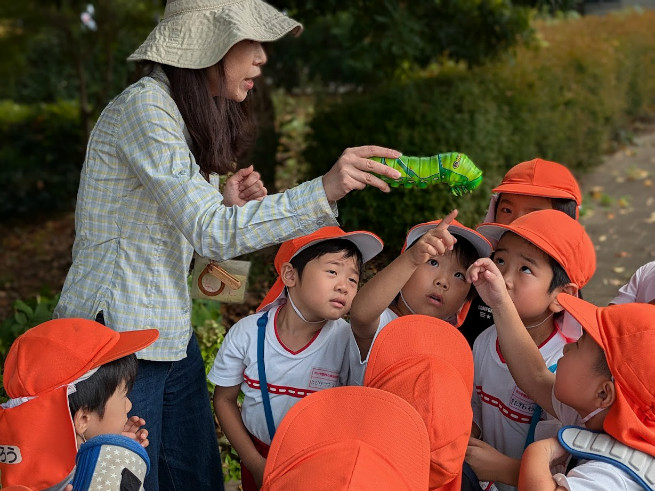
x: 482, y: 246
x: 585, y: 313
x: 128, y: 342
x: 494, y: 231
x: 369, y: 244
x: 532, y: 190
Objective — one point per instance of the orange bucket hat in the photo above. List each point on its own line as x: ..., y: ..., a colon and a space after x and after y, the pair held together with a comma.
x: 42, y: 365
x: 626, y: 333
x: 556, y: 234
x: 429, y: 363
x: 538, y: 177
x: 369, y: 245
x: 349, y: 438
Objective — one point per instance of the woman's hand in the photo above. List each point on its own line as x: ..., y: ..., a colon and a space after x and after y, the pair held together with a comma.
x: 353, y: 171
x: 243, y: 186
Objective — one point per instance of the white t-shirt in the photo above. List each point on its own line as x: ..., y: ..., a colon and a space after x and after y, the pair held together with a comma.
x: 322, y: 364
x: 640, y: 288
x: 357, y: 365
x: 502, y: 410
x: 590, y: 475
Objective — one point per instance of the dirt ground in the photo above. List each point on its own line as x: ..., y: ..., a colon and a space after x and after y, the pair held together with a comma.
x: 618, y: 212
x: 619, y: 215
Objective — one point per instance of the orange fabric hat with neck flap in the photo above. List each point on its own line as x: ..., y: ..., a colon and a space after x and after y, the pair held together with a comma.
x: 428, y: 362
x: 349, y: 438
x: 40, y: 371
x: 626, y: 333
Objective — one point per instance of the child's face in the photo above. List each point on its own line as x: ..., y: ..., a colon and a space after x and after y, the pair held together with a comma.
x: 528, y: 274
x: 576, y: 380
x: 512, y: 206
x: 437, y: 288
x: 115, y: 417
x: 327, y: 287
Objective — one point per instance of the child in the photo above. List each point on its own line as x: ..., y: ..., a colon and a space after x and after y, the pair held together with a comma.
x: 427, y: 278
x: 602, y: 382
x: 304, y: 340
x: 529, y: 186
x: 386, y: 449
x: 427, y: 362
x: 538, y: 256
x: 68, y: 379
x: 640, y: 288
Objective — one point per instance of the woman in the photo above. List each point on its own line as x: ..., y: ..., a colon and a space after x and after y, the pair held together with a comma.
x: 147, y: 200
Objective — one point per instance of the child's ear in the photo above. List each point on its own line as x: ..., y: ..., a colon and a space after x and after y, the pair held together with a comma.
x: 570, y: 288
x: 81, y: 421
x: 606, y: 394
x: 288, y: 275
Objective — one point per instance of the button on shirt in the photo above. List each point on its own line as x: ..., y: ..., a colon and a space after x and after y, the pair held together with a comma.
x: 142, y: 209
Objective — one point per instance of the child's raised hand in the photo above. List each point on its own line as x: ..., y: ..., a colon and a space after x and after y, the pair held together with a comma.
x: 133, y: 430
x: 435, y: 242
x: 488, y: 281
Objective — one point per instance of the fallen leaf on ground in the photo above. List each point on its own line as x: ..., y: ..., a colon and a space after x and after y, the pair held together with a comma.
x: 618, y: 269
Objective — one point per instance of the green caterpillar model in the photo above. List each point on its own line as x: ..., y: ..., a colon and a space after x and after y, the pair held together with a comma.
x: 454, y: 169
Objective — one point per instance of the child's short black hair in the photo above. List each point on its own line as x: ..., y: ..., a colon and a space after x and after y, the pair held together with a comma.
x: 560, y: 278
x: 349, y: 249
x: 565, y: 205
x: 93, y: 393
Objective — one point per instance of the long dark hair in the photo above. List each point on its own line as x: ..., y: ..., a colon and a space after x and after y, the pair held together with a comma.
x: 221, y: 130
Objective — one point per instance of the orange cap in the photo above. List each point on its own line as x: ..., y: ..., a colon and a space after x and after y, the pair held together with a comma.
x: 429, y: 363
x: 538, y: 177
x: 556, y: 234
x: 40, y: 365
x: 369, y: 245
x: 626, y: 333
x: 349, y: 438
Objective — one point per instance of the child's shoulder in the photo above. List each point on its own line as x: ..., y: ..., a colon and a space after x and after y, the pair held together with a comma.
x: 486, y: 338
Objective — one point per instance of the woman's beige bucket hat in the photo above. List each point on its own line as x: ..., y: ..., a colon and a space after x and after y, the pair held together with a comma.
x: 198, y: 33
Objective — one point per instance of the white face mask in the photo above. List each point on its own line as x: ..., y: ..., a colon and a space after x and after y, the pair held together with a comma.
x: 592, y: 414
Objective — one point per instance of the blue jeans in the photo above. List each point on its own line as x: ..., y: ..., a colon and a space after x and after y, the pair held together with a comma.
x: 172, y: 397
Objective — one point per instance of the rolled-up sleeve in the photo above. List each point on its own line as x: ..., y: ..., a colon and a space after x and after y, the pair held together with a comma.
x: 152, y: 143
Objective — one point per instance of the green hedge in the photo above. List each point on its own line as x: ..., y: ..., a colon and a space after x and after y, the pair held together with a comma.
x: 41, y: 157
x: 563, y: 100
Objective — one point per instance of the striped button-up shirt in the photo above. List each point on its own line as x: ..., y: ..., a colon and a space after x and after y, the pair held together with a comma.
x: 142, y: 209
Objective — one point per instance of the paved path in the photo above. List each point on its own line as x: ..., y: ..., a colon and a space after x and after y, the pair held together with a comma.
x: 619, y: 215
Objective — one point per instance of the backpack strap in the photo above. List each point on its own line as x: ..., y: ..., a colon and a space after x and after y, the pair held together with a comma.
x: 261, y: 368
x: 536, y: 416
x: 596, y: 445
